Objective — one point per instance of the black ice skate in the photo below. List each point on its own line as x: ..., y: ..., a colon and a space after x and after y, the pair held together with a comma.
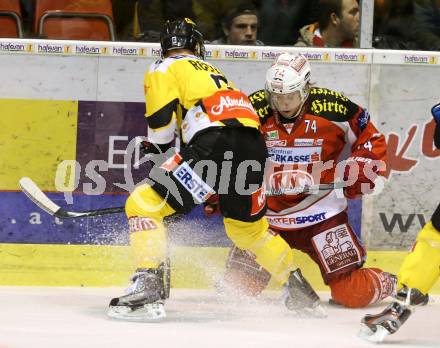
x: 144, y: 299
x: 300, y: 297
x: 416, y: 298
x: 375, y: 327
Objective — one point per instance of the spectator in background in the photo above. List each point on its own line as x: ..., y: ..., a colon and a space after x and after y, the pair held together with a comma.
x: 394, y: 25
x: 209, y: 14
x: 338, y: 25
x: 240, y: 26
x: 427, y: 24
x: 148, y: 16
x: 281, y: 20
x: 123, y: 14
x: 27, y: 14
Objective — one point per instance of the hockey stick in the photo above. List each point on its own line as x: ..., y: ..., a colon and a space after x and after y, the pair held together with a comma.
x: 306, y: 189
x: 45, y: 203
x: 39, y: 198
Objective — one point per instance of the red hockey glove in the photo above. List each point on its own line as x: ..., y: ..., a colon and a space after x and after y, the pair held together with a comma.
x: 211, y: 206
x: 364, y: 178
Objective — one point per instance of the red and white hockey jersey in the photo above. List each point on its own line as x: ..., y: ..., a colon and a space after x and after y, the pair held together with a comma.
x: 307, y: 151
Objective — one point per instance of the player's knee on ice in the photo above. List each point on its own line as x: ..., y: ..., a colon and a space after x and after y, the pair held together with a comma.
x: 362, y: 287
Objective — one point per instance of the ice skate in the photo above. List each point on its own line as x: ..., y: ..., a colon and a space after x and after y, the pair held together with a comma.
x: 416, y: 297
x: 300, y: 297
x: 144, y: 299
x: 375, y: 327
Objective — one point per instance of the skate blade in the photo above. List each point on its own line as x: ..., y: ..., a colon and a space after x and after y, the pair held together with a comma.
x: 147, y: 313
x: 369, y: 335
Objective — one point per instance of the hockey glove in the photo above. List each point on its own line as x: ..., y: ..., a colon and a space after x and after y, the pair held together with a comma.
x: 151, y: 148
x: 435, y: 111
x: 211, y: 206
x: 364, y: 182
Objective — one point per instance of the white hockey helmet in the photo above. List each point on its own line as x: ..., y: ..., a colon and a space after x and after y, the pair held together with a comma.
x: 288, y: 74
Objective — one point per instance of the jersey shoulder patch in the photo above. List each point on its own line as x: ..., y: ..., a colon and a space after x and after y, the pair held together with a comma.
x: 164, y: 64
x: 331, y: 105
x: 161, y: 65
x: 260, y: 104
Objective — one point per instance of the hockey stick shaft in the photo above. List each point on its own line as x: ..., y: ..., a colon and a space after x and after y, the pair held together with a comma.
x: 37, y: 196
x: 306, y: 189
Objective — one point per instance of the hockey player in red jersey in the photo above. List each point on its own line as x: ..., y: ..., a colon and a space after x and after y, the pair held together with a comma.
x: 312, y: 133
x: 417, y: 275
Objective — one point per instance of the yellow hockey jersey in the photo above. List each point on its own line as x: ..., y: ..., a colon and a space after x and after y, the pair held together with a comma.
x: 187, y: 94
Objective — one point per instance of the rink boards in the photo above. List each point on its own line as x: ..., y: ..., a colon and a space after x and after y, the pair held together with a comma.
x: 63, y: 101
x: 91, y: 265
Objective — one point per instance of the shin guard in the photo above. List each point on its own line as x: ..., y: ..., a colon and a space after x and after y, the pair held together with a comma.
x: 270, y: 250
x: 148, y: 237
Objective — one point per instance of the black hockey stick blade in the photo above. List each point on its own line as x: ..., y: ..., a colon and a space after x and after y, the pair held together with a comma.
x: 45, y: 203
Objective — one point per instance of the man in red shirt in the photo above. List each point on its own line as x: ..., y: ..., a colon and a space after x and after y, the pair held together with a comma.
x: 314, y: 136
x: 338, y: 25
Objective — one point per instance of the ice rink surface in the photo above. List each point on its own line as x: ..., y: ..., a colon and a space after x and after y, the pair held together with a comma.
x: 75, y: 317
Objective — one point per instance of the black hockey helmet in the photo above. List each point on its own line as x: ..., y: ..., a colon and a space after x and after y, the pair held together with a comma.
x: 182, y: 33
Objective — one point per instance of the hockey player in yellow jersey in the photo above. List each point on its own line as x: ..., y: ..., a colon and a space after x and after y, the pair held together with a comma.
x: 418, y: 273
x: 222, y: 151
